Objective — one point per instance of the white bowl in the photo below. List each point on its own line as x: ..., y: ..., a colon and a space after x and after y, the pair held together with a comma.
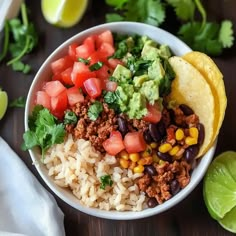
x: 178, y: 48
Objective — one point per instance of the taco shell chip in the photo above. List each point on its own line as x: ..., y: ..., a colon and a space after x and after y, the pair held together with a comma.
x: 214, y: 77
x: 191, y: 88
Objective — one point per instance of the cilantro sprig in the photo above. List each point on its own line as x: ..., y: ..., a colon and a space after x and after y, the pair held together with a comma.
x: 205, y: 36
x: 105, y: 181
x: 94, y: 110
x: 20, y: 38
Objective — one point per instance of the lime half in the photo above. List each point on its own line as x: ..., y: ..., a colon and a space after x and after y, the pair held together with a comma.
x: 63, y: 13
x: 3, y: 103
x: 219, y: 189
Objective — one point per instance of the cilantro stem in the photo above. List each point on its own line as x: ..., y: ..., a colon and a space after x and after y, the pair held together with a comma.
x: 6, y: 40
x: 24, y: 14
x: 202, y: 12
x: 23, y: 52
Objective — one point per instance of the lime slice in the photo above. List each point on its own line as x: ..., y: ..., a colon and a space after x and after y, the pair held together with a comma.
x: 229, y: 222
x: 63, y: 13
x: 219, y: 189
x: 3, y: 103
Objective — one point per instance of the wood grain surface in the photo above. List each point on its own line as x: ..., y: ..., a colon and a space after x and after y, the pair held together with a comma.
x: 190, y: 217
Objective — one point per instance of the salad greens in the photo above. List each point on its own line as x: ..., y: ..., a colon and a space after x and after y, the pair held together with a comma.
x: 205, y: 36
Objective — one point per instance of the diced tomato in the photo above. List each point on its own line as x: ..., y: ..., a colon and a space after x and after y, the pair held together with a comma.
x: 59, y: 104
x: 80, y: 73
x: 61, y: 64
x: 90, y: 42
x: 57, y: 77
x: 93, y: 87
x: 134, y: 142
x: 103, y: 73
x: 110, y: 86
x: 84, y: 51
x: 54, y: 88
x: 96, y: 57
x: 72, y: 51
x: 74, y: 96
x: 114, y: 144
x: 66, y: 76
x: 154, y: 113
x: 113, y: 62
x: 104, y: 37
x: 106, y: 50
x: 42, y: 98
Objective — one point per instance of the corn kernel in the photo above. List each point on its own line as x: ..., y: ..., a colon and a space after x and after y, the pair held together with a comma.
x: 179, y: 134
x: 153, y: 145
x: 190, y: 141
x: 132, y: 165
x: 165, y: 147
x: 124, y: 163
x: 193, y: 132
x: 155, y: 158
x: 124, y: 155
x: 146, y: 160
x: 134, y: 157
x: 147, y: 152
x: 139, y: 169
x: 174, y: 150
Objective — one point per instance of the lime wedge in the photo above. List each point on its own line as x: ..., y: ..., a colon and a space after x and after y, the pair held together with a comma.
x: 63, y: 13
x: 219, y: 189
x: 3, y: 103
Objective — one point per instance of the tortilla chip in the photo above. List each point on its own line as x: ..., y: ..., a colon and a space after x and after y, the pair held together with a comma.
x: 191, y: 88
x: 214, y: 77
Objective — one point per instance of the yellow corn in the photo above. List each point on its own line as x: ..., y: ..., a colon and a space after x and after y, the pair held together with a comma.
x: 174, y: 150
x: 124, y: 163
x: 153, y: 145
x: 193, y: 132
x: 146, y: 160
x: 147, y: 152
x: 155, y: 158
x: 124, y: 155
x: 139, y: 169
x: 134, y: 157
x: 179, y: 134
x: 132, y: 165
x: 190, y: 141
x: 165, y: 147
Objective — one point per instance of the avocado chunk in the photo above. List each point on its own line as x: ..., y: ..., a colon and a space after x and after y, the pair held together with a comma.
x: 124, y: 93
x: 150, y: 89
x: 164, y: 51
x: 149, y: 52
x: 139, y: 80
x: 156, y: 70
x: 121, y: 73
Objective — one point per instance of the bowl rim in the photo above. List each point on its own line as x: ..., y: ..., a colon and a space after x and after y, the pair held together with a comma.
x: 60, y: 192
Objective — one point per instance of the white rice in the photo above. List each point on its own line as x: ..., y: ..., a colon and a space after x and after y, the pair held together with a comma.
x: 76, y: 165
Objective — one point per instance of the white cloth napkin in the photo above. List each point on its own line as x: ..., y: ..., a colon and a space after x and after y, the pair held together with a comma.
x: 26, y: 208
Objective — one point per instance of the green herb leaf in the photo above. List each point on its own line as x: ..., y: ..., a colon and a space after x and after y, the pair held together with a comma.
x: 70, y: 118
x: 118, y: 4
x: 94, y: 110
x: 85, y: 61
x: 226, y: 34
x: 96, y: 66
x: 113, y: 17
x: 44, y: 130
x: 105, y: 181
x: 19, y: 102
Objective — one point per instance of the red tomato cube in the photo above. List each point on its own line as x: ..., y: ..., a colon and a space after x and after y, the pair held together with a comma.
x: 84, y: 51
x: 113, y: 62
x: 54, y: 88
x: 134, y: 142
x: 105, y: 37
x: 74, y: 96
x: 106, y: 49
x: 103, y: 73
x: 42, y: 98
x: 59, y: 104
x: 66, y: 76
x: 61, y: 64
x: 72, y: 51
x: 114, y: 144
x: 154, y: 113
x: 90, y: 42
x: 93, y: 87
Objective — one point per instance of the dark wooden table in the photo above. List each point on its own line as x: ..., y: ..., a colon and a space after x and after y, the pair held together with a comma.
x: 190, y: 217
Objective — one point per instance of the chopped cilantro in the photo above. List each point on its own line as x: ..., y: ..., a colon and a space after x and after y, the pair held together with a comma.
x: 85, y: 61
x: 105, y: 181
x: 96, y: 66
x: 19, y: 102
x: 94, y: 110
x: 70, y: 118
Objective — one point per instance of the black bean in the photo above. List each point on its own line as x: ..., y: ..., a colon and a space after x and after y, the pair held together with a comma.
x: 152, y: 202
x: 147, y: 136
x: 190, y: 153
x: 174, y: 187
x: 122, y: 125
x: 201, y: 133
x: 161, y: 127
x: 154, y: 132
x: 186, y: 110
x: 150, y: 170
x: 164, y: 156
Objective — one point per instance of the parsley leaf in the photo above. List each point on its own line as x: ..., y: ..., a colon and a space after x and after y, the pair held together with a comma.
x: 105, y: 181
x: 19, y: 102
x: 70, y: 118
x: 44, y: 130
x: 94, y: 110
x: 118, y: 4
x: 226, y: 34
x: 113, y: 17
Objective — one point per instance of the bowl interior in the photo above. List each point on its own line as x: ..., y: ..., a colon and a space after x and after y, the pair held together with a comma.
x: 178, y: 48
